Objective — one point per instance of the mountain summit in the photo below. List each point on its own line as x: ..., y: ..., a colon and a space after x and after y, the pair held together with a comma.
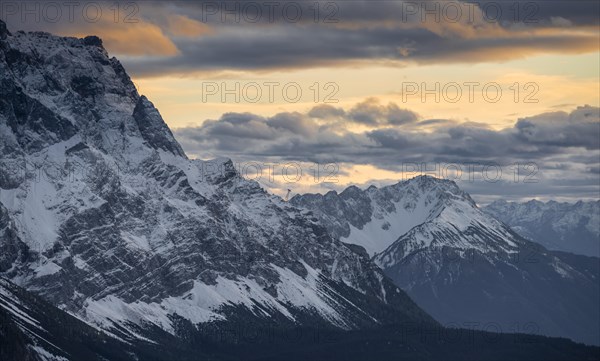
x: 376, y: 217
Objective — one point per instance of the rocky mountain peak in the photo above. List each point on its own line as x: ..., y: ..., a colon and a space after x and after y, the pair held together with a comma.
x: 374, y: 218
x: 427, y: 183
x: 98, y: 102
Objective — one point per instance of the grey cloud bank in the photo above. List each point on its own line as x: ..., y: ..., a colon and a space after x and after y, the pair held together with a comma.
x: 564, y: 147
x: 218, y: 35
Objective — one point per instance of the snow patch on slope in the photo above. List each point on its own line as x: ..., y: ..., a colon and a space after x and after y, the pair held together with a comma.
x: 380, y: 233
x: 203, y: 302
x: 45, y: 355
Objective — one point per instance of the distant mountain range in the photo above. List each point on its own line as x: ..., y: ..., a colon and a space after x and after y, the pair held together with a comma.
x: 569, y: 227
x: 459, y: 263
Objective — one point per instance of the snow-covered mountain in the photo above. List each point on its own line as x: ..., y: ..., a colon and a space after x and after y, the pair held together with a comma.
x: 462, y: 265
x: 376, y: 217
x: 103, y: 215
x: 569, y: 227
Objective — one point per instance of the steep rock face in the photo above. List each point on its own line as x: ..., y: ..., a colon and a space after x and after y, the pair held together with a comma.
x: 462, y: 265
x: 558, y: 226
x: 154, y: 131
x: 102, y: 214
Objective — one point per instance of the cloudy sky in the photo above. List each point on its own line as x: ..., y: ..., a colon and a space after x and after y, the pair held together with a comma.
x: 501, y: 96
